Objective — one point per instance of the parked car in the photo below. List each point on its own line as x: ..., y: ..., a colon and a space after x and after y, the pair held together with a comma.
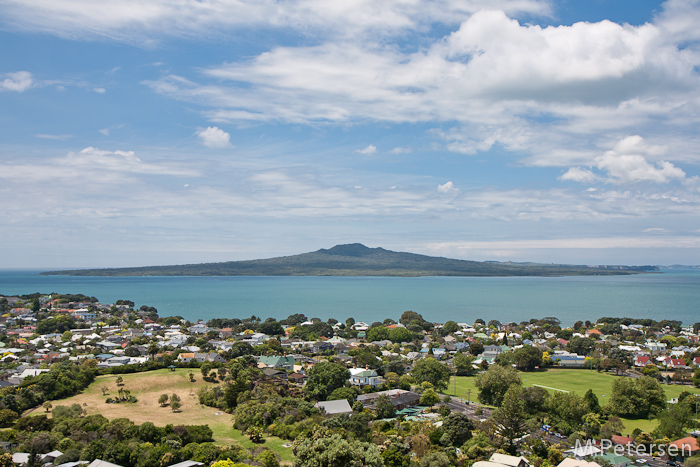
x: 640, y: 461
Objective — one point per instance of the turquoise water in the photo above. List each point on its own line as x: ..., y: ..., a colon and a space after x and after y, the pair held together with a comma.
x: 670, y: 295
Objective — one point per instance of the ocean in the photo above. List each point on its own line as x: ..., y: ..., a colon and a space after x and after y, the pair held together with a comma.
x: 669, y: 295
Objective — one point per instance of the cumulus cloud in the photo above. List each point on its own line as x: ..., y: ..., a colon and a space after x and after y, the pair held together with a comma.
x: 18, y: 81
x: 214, y: 137
x: 447, y: 188
x: 371, y: 149
x: 577, y: 174
x: 400, y: 150
x: 628, y: 163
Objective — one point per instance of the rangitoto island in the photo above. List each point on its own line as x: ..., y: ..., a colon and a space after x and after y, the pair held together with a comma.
x: 358, y: 260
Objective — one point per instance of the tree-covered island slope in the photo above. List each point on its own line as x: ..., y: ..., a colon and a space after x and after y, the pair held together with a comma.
x: 358, y: 260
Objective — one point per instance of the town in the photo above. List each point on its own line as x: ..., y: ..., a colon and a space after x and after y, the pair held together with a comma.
x: 118, y: 385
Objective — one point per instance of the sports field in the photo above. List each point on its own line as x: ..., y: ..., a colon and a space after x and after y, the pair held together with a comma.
x: 147, y: 387
x: 572, y: 380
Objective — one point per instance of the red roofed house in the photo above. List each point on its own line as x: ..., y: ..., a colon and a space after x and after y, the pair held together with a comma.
x: 677, y: 363
x: 592, y: 332
x: 641, y: 361
x: 622, y: 440
x: 696, y: 361
x: 685, y: 447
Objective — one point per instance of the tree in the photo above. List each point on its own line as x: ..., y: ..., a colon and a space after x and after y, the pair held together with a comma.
x: 385, y: 408
x: 163, y: 400
x: 268, y: 458
x: 255, y: 434
x: 494, y: 383
x: 457, y: 429
x: 336, y: 451
x: 527, y: 358
x: 637, y: 398
x: 476, y: 348
x: 592, y: 401
x: 672, y: 422
x: 378, y: 333
x: 119, y: 380
x: 47, y: 405
x: 324, y: 378
x: 463, y: 364
x: 449, y: 327
x: 343, y: 393
x: 566, y: 411
x: 535, y: 399
x: 429, y: 398
x: 581, y: 345
x: 205, y: 368
x: 7, y: 417
x: 510, y: 417
x: 175, y: 403
x: 592, y: 424
x: 430, y: 370
x: 398, y: 335
x: 612, y: 427
x: 435, y: 459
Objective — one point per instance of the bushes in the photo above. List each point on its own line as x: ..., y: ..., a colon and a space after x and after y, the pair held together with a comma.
x: 7, y: 417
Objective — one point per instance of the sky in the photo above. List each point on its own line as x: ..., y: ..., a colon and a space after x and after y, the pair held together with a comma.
x: 185, y: 131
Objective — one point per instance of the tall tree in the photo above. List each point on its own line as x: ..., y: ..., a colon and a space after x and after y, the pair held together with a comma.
x: 324, y: 378
x: 510, y: 417
x: 430, y: 370
x: 495, y: 382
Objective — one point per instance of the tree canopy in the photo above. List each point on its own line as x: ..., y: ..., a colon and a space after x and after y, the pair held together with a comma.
x: 430, y: 370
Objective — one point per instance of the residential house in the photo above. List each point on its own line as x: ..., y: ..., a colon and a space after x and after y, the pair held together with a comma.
x: 510, y: 461
x: 365, y: 377
x: 276, y: 373
x: 185, y: 357
x: 284, y: 362
x: 686, y: 447
x: 642, y: 360
x: 335, y: 407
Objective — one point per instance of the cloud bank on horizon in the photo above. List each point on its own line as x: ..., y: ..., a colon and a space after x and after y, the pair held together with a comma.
x: 209, y: 130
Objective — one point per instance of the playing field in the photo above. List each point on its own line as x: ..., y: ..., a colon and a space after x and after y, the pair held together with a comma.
x: 147, y: 387
x: 572, y: 380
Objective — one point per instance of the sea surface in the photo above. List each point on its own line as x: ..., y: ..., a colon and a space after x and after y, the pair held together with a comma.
x: 668, y: 295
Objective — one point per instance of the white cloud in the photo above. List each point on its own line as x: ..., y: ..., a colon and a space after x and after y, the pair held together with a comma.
x: 18, y: 81
x: 447, y: 188
x: 99, y: 90
x: 143, y: 24
x: 54, y: 137
x: 401, y: 150
x: 577, y: 174
x: 627, y: 163
x: 371, y: 149
x: 104, y: 131
x: 458, y: 249
x: 214, y: 137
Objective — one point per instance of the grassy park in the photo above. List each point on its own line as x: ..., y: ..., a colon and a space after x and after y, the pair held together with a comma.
x: 147, y: 387
x: 572, y: 380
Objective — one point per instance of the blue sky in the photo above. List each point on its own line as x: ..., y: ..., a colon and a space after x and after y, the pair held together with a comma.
x: 179, y: 131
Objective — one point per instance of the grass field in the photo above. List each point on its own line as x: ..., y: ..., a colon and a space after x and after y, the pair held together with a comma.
x: 572, y: 380
x: 147, y: 387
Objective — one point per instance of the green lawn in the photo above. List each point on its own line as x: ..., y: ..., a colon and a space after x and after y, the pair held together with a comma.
x: 147, y: 386
x: 573, y: 380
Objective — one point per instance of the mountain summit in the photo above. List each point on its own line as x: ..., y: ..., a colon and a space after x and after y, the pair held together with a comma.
x: 356, y: 259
